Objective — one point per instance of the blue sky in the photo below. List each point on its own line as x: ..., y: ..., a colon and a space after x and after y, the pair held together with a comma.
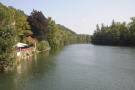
x: 79, y: 15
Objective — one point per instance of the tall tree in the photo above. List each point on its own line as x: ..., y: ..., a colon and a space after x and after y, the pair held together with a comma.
x: 39, y: 24
x: 97, y: 28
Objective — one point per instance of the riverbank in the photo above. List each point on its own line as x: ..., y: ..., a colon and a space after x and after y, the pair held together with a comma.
x: 24, y: 55
x: 34, y: 30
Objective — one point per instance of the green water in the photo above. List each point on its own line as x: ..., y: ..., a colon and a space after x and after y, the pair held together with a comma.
x: 75, y: 67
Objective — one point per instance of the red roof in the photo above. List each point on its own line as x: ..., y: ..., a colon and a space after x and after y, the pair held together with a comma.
x: 30, y: 39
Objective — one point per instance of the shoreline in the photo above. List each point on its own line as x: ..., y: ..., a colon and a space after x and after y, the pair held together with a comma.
x: 21, y: 58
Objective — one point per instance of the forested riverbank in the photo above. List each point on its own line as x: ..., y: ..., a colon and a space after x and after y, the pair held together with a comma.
x: 122, y: 34
x: 17, y: 27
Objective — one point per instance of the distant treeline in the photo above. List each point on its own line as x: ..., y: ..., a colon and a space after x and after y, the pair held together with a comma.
x: 83, y: 38
x: 16, y: 26
x: 117, y: 33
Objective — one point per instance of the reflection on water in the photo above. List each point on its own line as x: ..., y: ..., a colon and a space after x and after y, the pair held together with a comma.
x: 56, y: 51
x: 74, y: 67
x: 27, y: 70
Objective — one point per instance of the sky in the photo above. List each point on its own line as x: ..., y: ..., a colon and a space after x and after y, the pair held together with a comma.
x: 80, y: 16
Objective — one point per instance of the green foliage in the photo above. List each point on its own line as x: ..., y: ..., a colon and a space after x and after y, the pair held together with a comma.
x: 43, y: 45
x: 13, y: 28
x: 81, y: 38
x: 38, y: 24
x: 46, y: 29
x: 21, y: 24
x: 11, y: 17
x: 116, y: 34
x: 16, y: 26
x: 59, y: 35
x: 7, y: 41
x: 53, y: 33
x: 6, y: 17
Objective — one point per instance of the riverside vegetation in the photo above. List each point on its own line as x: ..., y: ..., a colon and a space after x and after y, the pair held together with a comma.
x: 122, y: 34
x: 16, y: 26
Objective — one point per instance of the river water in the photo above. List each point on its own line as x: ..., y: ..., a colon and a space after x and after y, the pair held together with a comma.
x: 75, y: 67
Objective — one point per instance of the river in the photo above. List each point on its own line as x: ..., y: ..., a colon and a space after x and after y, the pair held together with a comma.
x: 75, y: 67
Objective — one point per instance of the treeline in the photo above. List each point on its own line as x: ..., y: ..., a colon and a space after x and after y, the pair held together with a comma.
x: 16, y: 26
x: 83, y: 38
x: 57, y: 35
x: 117, y: 33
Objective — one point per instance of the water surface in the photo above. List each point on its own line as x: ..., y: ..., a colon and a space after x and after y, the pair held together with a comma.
x: 75, y: 67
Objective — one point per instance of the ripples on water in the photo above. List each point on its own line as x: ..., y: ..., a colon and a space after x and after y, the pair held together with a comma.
x: 75, y: 67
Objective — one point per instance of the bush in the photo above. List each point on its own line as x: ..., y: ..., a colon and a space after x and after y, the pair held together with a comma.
x: 43, y: 45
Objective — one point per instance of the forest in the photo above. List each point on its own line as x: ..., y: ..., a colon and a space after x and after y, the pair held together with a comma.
x: 16, y: 26
x: 121, y: 34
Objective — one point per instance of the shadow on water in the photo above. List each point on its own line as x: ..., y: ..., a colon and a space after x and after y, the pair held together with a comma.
x: 56, y: 51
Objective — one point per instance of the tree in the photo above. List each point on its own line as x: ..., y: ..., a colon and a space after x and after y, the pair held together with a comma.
x: 116, y: 34
x: 38, y: 23
x: 53, y: 33
x: 22, y: 26
x: 132, y: 31
x: 113, y: 24
x: 97, y: 28
x: 7, y: 41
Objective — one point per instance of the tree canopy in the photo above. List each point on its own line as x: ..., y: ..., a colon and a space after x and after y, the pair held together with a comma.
x: 116, y: 34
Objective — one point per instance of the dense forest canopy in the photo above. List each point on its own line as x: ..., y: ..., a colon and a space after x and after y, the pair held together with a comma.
x: 116, y: 34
